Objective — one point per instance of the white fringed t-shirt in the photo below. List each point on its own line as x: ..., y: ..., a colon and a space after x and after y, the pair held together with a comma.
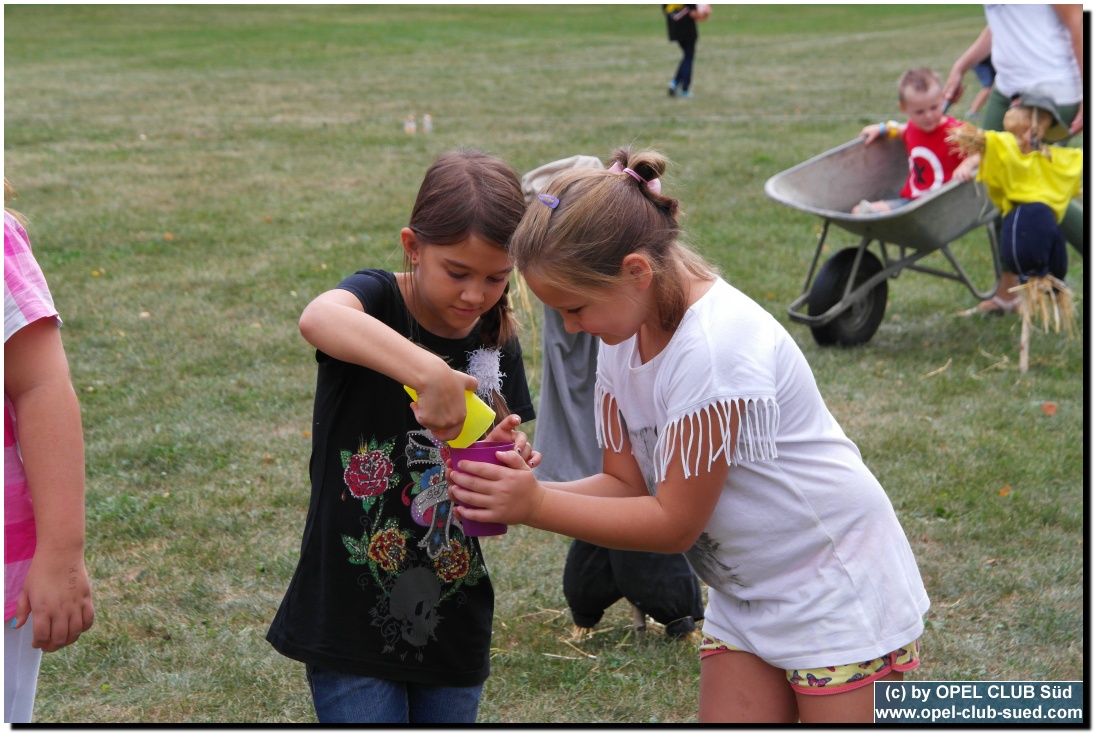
x: 806, y: 561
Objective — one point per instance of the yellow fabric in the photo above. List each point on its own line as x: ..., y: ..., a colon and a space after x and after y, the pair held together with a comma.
x: 673, y: 8
x: 835, y: 678
x: 1013, y: 177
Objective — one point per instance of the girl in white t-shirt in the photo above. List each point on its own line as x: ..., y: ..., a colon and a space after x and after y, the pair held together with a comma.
x: 716, y: 443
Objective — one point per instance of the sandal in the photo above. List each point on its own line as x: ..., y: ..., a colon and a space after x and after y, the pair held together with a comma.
x: 995, y: 305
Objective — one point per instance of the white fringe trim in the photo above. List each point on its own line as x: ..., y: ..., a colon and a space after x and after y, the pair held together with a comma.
x: 607, y: 438
x: 756, y: 440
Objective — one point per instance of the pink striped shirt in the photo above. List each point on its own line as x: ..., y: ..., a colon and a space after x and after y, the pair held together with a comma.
x: 26, y: 299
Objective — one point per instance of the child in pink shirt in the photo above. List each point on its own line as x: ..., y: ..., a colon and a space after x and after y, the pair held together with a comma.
x: 47, y: 595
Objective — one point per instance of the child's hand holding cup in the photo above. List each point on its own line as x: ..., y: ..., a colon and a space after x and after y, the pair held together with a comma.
x: 479, y: 452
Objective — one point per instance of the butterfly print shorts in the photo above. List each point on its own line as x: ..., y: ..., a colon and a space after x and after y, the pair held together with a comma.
x: 834, y: 679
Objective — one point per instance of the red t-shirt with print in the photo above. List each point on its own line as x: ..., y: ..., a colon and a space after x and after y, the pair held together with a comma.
x: 931, y: 160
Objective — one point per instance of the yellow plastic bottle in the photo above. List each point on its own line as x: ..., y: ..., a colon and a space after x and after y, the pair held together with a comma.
x: 480, y: 417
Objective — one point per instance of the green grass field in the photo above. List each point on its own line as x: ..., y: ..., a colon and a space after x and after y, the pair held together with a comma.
x: 194, y: 175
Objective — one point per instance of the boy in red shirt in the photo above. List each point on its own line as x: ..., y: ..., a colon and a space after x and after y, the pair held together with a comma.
x: 932, y: 162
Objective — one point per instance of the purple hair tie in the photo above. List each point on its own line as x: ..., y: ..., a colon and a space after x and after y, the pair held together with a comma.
x: 549, y: 200
x: 654, y: 185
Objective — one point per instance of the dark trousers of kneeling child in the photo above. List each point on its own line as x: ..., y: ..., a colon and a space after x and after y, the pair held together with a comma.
x: 662, y: 586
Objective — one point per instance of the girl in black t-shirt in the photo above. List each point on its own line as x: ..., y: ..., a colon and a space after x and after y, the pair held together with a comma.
x: 390, y: 607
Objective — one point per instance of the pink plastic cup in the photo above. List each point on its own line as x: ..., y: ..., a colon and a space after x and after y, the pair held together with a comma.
x: 479, y: 452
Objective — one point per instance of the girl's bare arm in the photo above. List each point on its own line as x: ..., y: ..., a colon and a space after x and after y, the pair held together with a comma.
x: 336, y: 323
x: 57, y: 590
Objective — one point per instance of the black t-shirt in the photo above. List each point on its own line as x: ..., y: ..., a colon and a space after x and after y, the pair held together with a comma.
x: 680, y: 24
x: 387, y: 584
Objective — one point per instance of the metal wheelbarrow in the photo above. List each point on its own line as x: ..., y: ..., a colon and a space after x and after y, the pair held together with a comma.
x: 845, y: 302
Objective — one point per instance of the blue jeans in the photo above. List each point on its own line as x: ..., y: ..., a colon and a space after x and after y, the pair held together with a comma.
x: 683, y: 77
x: 339, y: 697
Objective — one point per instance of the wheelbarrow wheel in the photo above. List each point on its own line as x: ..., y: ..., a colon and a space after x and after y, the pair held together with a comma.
x: 859, y: 321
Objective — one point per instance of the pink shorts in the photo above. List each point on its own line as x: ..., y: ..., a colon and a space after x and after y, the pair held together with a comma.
x: 834, y: 679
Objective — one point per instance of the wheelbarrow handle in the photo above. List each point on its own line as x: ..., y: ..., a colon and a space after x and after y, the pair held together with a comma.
x: 954, y: 98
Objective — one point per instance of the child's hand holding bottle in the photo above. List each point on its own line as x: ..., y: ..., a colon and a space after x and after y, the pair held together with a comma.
x: 440, y: 403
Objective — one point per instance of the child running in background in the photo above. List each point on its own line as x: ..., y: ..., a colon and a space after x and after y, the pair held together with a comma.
x: 681, y: 23
x: 932, y: 162
x: 391, y: 607
x: 986, y: 74
x: 47, y: 595
x: 718, y: 445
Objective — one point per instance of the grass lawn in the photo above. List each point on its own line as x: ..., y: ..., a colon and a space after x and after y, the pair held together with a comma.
x: 195, y: 175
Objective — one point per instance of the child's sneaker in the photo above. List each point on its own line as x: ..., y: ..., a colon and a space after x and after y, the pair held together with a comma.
x: 672, y: 89
x: 685, y: 94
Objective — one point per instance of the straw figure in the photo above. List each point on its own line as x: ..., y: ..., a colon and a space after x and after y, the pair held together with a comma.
x: 1031, y: 183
